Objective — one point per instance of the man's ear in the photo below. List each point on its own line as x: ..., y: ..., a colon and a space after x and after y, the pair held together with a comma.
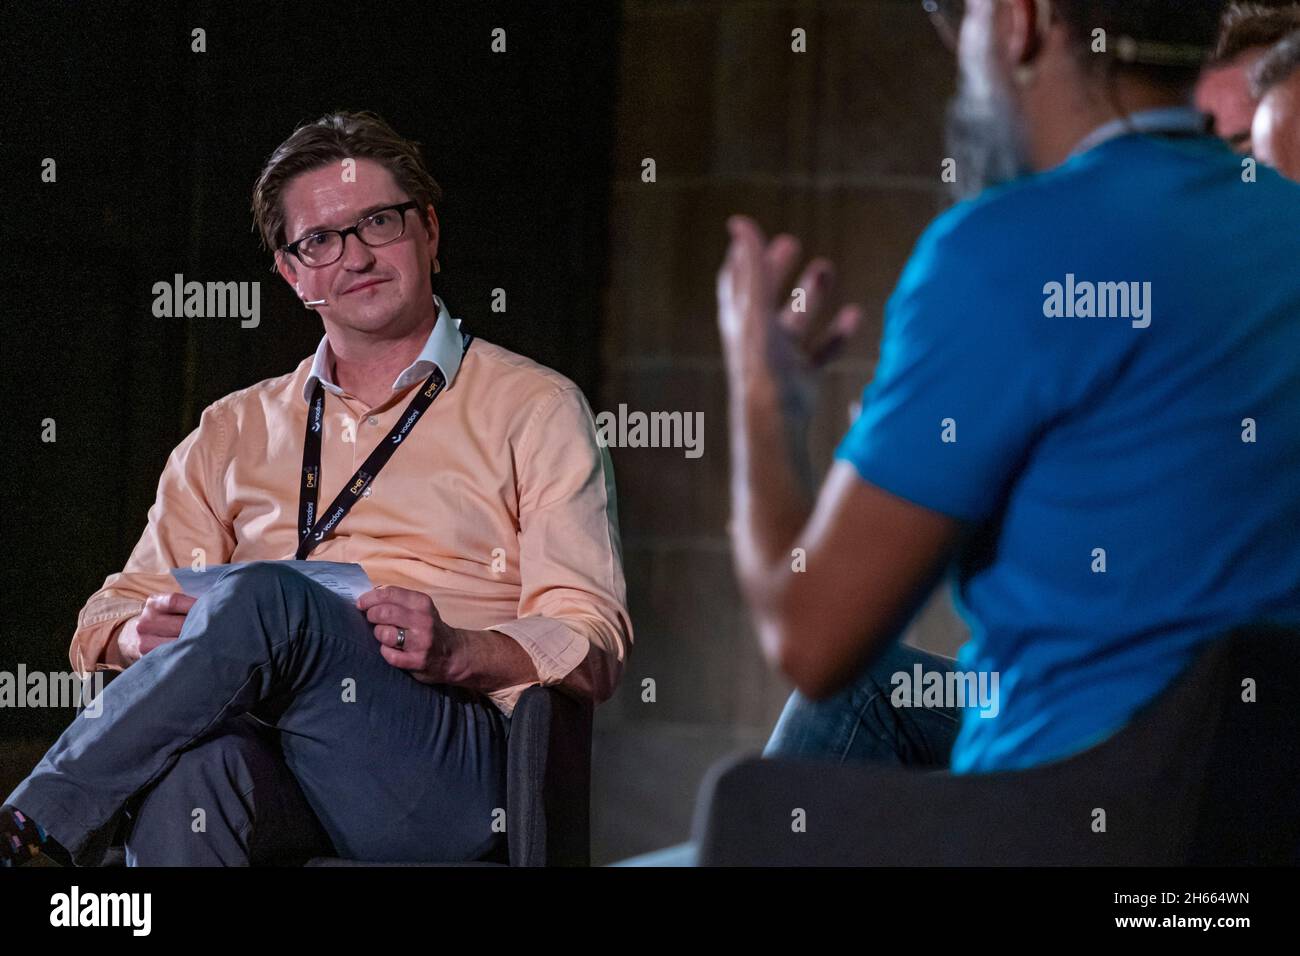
x: 1028, y: 25
x: 286, y: 269
x: 431, y: 226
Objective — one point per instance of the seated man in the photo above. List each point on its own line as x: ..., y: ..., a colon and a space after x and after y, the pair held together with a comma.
x: 271, y: 720
x: 1085, y: 406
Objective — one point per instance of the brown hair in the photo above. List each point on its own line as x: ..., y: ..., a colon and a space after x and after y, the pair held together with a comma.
x: 334, y: 137
x: 1276, y: 66
x: 1249, y: 25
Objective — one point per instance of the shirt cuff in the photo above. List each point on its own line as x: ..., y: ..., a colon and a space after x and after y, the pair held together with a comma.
x: 554, y: 647
x: 91, y: 639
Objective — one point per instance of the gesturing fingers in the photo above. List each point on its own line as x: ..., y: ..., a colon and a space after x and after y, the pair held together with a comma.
x: 758, y: 315
x: 826, y: 346
x: 799, y: 318
x: 740, y: 280
x: 779, y: 261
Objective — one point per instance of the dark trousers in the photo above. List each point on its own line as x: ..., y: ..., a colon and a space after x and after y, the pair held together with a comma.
x: 270, y: 731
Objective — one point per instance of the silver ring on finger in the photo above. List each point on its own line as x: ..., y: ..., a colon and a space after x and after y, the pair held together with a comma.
x: 401, y: 638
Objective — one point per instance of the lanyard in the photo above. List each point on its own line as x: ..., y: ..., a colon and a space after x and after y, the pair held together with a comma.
x: 312, y: 530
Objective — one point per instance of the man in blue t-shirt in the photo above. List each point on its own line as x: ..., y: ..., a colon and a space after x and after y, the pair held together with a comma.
x: 1111, y: 405
x: 1087, y: 404
x: 1087, y: 408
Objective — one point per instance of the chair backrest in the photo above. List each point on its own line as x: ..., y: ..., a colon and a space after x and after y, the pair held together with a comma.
x: 1203, y: 774
x: 1248, y: 810
x: 548, y: 814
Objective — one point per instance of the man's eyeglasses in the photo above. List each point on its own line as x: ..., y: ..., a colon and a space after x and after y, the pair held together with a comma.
x: 946, y: 15
x: 378, y: 229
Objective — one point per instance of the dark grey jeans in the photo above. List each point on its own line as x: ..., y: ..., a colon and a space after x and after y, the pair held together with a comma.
x: 270, y: 731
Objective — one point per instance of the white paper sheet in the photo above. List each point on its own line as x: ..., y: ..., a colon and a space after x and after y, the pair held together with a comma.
x: 347, y: 580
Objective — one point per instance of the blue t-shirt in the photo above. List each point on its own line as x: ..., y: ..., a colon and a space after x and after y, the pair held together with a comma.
x: 1119, y: 514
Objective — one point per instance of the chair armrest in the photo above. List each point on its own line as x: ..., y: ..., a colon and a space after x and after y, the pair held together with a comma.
x: 548, y: 820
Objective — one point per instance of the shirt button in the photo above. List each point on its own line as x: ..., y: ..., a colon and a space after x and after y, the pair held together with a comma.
x: 373, y: 420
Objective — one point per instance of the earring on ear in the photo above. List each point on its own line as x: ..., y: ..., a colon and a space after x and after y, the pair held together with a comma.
x: 436, y: 267
x: 1024, y: 75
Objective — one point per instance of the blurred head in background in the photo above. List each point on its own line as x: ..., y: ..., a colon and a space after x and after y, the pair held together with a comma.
x: 1247, y: 33
x: 1275, y: 130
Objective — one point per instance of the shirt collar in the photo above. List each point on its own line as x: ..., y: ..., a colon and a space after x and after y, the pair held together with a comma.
x: 442, y: 349
x: 1166, y: 119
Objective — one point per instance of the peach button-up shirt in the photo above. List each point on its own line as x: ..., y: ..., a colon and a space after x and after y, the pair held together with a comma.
x: 500, y: 506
